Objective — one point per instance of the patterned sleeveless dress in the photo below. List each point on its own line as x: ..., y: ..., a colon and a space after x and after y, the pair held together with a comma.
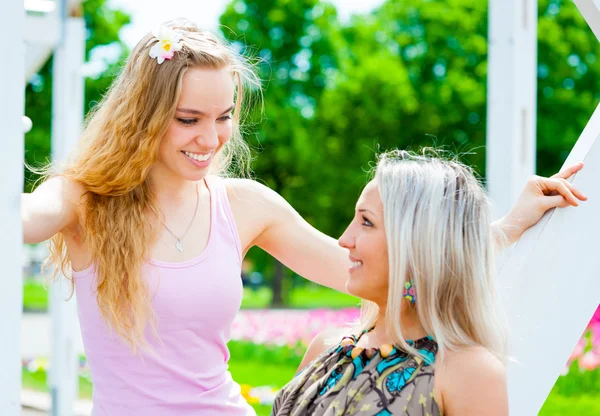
x: 372, y: 382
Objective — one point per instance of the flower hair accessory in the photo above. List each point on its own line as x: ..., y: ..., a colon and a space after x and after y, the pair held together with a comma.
x: 169, y: 42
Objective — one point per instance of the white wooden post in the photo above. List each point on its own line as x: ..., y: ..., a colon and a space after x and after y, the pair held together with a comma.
x: 12, y: 102
x: 552, y: 286
x: 511, y: 101
x: 67, y: 117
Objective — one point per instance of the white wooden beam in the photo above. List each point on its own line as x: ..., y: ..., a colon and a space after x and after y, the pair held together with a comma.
x: 12, y: 102
x: 511, y: 103
x: 35, y: 57
x: 590, y: 9
x: 551, y: 286
x: 40, y: 6
x: 42, y: 33
x: 42, y: 29
x: 67, y: 119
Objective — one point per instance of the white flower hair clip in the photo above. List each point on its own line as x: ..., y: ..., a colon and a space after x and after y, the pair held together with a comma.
x: 169, y: 42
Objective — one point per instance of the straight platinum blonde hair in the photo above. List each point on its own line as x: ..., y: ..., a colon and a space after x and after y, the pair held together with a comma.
x: 437, y: 221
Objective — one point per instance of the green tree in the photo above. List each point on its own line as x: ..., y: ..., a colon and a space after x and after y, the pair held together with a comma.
x: 295, y: 42
x: 568, y: 81
x: 414, y: 74
x: 407, y: 75
x: 102, y: 25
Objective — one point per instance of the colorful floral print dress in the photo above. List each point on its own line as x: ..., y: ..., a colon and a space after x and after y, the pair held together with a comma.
x: 347, y: 380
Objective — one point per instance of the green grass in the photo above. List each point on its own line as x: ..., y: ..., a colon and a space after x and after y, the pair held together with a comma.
x: 35, y: 295
x: 257, y: 373
x: 261, y: 374
x: 38, y: 381
x: 256, y: 299
x: 246, y: 351
x: 583, y: 404
x: 578, y: 382
x: 314, y: 296
x: 304, y: 297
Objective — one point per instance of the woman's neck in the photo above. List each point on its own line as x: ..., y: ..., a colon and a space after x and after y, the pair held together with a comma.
x: 170, y: 188
x: 409, y: 322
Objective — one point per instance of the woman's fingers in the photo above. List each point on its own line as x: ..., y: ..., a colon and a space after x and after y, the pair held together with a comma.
x: 576, y: 192
x: 563, y: 188
x: 569, y: 171
x: 556, y: 201
x: 580, y: 195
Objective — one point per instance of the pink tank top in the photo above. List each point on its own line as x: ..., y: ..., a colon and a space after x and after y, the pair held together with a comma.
x: 195, y: 303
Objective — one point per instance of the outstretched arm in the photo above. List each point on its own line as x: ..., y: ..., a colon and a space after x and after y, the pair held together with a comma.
x: 267, y: 220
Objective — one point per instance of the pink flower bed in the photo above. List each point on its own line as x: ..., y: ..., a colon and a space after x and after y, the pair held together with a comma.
x: 587, y: 350
x: 288, y: 327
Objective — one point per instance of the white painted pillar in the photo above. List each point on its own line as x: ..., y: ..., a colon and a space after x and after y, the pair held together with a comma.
x: 12, y: 107
x: 551, y: 286
x: 511, y: 101
x: 67, y: 118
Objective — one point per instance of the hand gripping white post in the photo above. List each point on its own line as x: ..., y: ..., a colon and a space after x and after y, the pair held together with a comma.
x: 550, y: 284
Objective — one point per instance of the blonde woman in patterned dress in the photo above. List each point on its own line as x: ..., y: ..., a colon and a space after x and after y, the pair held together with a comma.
x: 431, y: 338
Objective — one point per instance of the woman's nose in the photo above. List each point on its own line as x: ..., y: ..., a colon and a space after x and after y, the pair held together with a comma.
x: 208, y: 138
x: 347, y: 239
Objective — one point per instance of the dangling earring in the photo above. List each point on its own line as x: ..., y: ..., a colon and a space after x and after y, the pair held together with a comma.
x: 409, y: 292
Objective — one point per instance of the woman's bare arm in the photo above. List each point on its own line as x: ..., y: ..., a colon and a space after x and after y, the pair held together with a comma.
x: 49, y: 209
x: 278, y: 229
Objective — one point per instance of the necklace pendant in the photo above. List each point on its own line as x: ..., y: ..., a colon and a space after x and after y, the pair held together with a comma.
x: 179, y: 245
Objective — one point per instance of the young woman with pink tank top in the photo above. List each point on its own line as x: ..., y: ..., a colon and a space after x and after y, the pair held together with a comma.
x: 153, y: 235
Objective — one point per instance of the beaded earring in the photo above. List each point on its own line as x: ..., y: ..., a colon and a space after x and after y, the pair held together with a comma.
x: 409, y: 292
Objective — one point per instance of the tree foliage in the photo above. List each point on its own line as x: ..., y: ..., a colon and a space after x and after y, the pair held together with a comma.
x: 407, y: 75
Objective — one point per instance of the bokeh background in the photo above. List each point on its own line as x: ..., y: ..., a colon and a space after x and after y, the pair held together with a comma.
x: 342, y: 81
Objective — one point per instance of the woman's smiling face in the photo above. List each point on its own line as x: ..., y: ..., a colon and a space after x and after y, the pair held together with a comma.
x: 202, y: 124
x: 366, y: 240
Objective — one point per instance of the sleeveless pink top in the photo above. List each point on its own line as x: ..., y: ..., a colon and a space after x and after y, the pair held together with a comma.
x: 195, y: 302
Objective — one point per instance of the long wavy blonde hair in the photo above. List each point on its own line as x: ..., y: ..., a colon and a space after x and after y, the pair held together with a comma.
x: 118, y: 147
x: 437, y: 222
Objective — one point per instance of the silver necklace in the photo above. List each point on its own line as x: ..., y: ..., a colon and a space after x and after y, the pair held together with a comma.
x: 179, y: 244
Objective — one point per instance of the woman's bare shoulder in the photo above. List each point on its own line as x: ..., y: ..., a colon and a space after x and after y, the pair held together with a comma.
x: 247, y: 191
x: 321, y: 343
x: 472, y: 381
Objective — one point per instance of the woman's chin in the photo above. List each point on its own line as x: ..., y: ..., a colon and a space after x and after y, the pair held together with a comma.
x: 355, y: 288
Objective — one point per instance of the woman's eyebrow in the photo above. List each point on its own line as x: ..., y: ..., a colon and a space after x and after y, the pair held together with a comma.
x: 198, y: 112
